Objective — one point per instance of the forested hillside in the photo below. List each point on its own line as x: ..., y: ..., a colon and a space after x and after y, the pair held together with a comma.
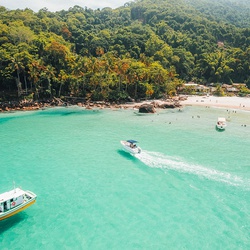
x: 144, y: 49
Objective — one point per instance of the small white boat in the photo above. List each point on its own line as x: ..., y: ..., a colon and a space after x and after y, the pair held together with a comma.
x: 221, y: 123
x: 131, y: 147
x: 14, y: 201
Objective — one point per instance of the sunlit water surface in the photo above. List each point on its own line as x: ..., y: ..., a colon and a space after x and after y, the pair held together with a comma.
x: 188, y: 189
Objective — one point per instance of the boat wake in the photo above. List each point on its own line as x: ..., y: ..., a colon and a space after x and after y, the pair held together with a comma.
x: 159, y: 160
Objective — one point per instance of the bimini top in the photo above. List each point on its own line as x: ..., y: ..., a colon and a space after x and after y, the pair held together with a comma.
x: 132, y: 141
x: 221, y: 119
x: 11, y: 194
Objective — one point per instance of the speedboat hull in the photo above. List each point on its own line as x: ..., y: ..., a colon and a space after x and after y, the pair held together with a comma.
x: 127, y: 147
x: 220, y: 127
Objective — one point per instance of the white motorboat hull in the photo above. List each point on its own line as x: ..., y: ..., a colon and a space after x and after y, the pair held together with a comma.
x: 221, y: 127
x: 127, y: 148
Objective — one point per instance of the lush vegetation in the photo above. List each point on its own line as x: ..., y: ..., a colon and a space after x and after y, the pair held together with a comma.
x: 144, y: 49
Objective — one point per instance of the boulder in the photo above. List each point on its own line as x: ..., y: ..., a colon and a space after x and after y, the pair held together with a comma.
x: 156, y: 104
x: 170, y: 105
x: 167, y: 105
x: 147, y: 108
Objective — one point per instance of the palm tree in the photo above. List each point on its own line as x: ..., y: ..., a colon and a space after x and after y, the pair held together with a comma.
x: 36, y: 69
x: 17, y: 66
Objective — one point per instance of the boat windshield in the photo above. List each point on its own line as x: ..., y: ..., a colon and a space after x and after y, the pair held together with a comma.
x: 132, y: 141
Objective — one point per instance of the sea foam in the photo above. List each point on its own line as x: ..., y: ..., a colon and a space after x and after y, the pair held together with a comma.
x: 165, y: 162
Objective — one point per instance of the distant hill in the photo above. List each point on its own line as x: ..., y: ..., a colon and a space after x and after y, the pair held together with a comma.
x: 236, y: 12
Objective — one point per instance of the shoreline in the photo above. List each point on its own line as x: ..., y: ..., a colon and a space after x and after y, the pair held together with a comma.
x: 234, y: 102
x: 227, y: 102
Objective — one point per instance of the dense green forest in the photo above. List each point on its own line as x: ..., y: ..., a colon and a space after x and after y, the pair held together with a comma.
x: 144, y: 49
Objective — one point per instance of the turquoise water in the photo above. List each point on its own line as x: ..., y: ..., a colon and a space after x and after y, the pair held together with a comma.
x: 189, y: 189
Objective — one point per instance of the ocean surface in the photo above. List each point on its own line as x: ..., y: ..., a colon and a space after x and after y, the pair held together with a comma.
x: 188, y: 189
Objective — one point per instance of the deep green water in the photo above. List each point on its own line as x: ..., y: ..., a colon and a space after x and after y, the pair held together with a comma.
x: 189, y: 189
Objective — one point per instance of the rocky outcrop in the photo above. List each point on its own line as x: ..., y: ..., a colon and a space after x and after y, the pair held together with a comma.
x: 167, y: 104
x: 33, y: 105
x: 27, y: 105
x: 170, y: 105
x: 147, y: 108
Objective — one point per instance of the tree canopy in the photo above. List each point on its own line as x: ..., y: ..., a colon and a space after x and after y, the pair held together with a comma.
x: 144, y: 49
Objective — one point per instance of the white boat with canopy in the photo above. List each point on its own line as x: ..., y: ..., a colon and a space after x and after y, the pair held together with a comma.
x: 14, y: 201
x: 221, y: 123
x: 131, y: 147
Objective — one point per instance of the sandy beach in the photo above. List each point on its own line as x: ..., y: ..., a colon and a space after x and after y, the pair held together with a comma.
x: 234, y: 102
x: 242, y: 103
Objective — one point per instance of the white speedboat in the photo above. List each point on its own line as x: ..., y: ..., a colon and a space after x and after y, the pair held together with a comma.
x: 15, y: 201
x: 221, y: 123
x: 131, y: 147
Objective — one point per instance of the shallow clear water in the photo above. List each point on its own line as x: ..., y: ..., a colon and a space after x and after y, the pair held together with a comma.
x: 189, y: 189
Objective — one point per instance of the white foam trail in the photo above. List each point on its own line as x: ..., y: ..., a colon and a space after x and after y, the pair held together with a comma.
x: 158, y: 160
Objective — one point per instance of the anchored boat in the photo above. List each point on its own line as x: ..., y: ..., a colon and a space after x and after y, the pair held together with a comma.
x: 221, y: 123
x: 131, y: 147
x: 15, y: 201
